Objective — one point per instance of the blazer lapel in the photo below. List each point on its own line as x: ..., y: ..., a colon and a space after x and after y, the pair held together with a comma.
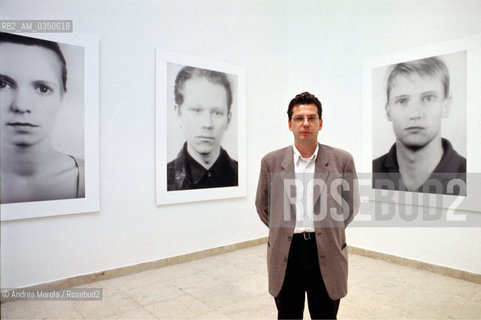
x: 288, y: 173
x: 287, y: 165
x: 322, y: 171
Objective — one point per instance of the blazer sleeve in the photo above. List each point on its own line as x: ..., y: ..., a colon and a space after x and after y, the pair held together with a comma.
x: 351, y: 193
x: 262, y: 195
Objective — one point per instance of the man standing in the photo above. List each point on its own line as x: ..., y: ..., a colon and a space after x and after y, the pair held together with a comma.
x: 418, y: 99
x: 307, y: 194
x: 203, y: 100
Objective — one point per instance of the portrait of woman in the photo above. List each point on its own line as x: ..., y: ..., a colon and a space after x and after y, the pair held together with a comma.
x: 33, y: 85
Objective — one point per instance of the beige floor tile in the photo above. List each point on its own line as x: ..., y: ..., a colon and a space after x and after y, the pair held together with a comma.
x: 254, y: 285
x: 441, y: 296
x: 476, y: 298
x: 353, y: 311
x: 221, y: 296
x: 194, y: 281
x: 256, y: 314
x: 232, y: 273
x: 213, y: 315
x: 114, y: 303
x: 137, y: 313
x: 25, y: 309
x: 183, y: 307
x: 153, y: 293
x: 260, y: 306
x: 41, y: 310
x: 3, y: 310
x: 234, y: 286
x: 366, y: 299
x: 465, y: 312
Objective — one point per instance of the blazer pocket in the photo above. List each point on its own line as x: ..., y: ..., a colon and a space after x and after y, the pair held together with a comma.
x: 343, y: 246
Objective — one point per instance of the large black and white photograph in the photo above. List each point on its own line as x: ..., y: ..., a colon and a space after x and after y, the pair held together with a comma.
x: 44, y: 146
x: 200, y: 147
x: 419, y: 108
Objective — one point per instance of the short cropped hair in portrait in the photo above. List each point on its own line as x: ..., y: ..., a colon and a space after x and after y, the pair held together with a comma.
x: 453, y: 126
x: 175, y: 136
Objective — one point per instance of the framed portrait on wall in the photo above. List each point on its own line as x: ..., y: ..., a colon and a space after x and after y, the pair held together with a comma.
x: 49, y: 101
x: 200, y: 129
x: 421, y: 124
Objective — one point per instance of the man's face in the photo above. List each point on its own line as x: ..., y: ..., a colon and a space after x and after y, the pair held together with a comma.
x: 305, y: 124
x: 204, y: 115
x: 416, y: 107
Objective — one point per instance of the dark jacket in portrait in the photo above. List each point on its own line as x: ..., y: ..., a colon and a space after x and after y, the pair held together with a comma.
x: 449, y: 176
x: 185, y: 173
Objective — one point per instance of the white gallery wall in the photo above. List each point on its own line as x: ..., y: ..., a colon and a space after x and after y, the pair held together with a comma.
x: 130, y: 228
x: 286, y: 47
x: 328, y: 41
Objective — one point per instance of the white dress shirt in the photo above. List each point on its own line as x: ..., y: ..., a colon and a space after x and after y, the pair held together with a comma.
x: 304, y: 169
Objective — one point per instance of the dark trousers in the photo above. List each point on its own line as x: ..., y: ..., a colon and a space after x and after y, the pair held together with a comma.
x: 304, y: 275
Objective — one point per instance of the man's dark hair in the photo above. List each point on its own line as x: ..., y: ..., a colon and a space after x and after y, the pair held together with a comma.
x: 212, y: 76
x: 304, y: 98
x: 27, y: 41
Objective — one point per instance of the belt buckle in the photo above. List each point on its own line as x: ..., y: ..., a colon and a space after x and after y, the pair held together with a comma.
x: 306, y: 235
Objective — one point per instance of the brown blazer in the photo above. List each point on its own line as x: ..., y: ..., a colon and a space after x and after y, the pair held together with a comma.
x: 336, y: 201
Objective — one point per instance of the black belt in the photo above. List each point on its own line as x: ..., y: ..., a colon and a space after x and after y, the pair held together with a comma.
x: 304, y: 236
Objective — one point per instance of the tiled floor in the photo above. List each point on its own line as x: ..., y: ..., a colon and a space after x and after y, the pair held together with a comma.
x: 234, y: 286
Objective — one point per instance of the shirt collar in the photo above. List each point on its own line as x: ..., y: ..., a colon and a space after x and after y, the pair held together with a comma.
x: 197, y: 171
x: 298, y: 157
x: 391, y: 163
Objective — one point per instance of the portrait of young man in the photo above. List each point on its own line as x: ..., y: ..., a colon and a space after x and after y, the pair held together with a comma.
x: 307, y: 194
x: 418, y: 100
x: 203, y: 113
